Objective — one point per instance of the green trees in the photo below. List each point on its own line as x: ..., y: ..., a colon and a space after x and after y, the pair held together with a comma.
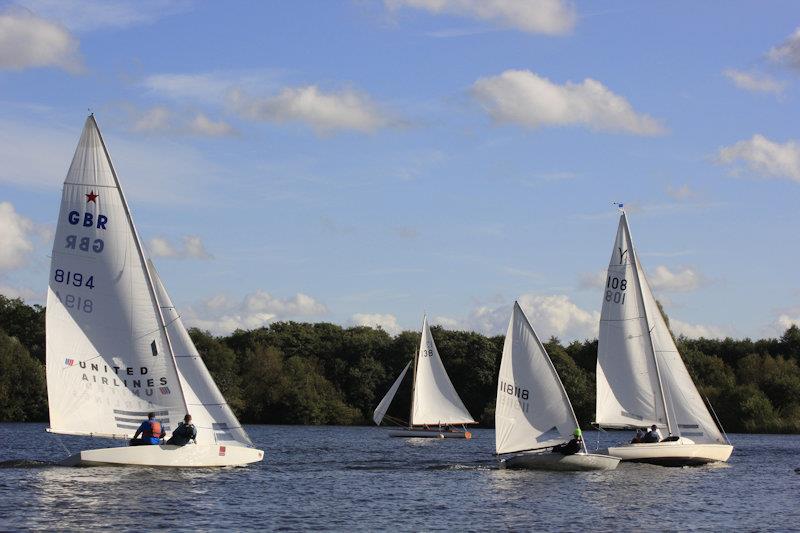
x: 298, y: 373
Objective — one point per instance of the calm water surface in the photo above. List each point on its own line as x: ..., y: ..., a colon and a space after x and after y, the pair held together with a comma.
x: 345, y: 478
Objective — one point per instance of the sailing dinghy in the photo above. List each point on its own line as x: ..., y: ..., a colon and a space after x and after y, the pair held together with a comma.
x: 116, y: 347
x: 533, y: 412
x: 641, y: 378
x: 435, y: 404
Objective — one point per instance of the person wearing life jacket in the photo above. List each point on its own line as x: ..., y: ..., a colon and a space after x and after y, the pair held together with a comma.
x: 151, y: 431
x: 573, y: 446
x: 184, y: 433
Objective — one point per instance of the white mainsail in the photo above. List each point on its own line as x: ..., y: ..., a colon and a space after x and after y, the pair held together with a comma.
x: 434, y: 399
x: 108, y: 358
x: 110, y: 353
x: 380, y: 411
x: 641, y: 378
x: 211, y: 414
x: 532, y: 408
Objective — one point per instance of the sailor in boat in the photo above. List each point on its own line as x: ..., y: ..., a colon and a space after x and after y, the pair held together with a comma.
x: 573, y: 446
x: 151, y: 431
x: 639, y: 437
x: 184, y: 433
x: 654, y: 435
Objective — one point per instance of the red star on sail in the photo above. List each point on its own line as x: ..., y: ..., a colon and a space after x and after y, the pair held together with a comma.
x: 91, y: 197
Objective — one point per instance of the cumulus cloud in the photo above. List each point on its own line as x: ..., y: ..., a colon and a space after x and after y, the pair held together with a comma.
x: 221, y: 314
x: 325, y: 112
x: 788, y: 52
x: 27, y: 41
x: 684, y: 279
x: 191, y: 247
x: 525, y: 98
x: 16, y: 237
x: 552, y: 17
x: 592, y: 280
x: 754, y: 82
x: 160, y: 119
x: 550, y: 315
x: 763, y: 157
x: 694, y: 331
x: 785, y: 321
x: 387, y: 323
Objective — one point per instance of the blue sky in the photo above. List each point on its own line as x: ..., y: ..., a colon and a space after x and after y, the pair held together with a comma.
x: 364, y: 162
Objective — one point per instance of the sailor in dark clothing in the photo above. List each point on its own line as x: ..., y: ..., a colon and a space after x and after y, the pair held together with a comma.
x: 654, y: 435
x: 184, y: 433
x: 573, y: 446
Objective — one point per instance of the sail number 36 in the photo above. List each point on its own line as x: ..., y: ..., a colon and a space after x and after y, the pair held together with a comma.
x: 615, y: 289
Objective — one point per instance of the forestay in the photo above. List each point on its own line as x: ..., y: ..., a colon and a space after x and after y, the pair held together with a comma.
x: 435, y: 400
x: 211, y: 414
x: 380, y: 411
x: 532, y: 409
x: 628, y: 392
x: 108, y: 358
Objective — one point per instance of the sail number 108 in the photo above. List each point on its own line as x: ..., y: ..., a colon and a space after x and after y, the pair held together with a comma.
x: 615, y: 289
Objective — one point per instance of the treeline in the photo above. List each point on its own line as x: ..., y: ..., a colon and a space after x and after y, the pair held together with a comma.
x: 299, y: 373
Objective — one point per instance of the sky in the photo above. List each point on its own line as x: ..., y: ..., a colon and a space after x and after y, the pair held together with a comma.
x: 366, y: 162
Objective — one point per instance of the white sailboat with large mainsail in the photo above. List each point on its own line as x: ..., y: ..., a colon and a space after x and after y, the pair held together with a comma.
x: 641, y: 378
x: 533, y: 412
x: 116, y: 347
x: 435, y: 404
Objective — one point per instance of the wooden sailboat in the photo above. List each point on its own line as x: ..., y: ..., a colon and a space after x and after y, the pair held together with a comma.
x: 641, y: 378
x: 435, y: 404
x: 116, y: 347
x: 533, y: 412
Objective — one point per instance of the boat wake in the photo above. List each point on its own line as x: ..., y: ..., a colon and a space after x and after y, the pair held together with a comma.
x: 25, y: 463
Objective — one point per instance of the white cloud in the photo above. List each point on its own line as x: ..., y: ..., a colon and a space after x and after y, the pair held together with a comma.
x: 346, y: 109
x: 684, y: 192
x: 553, y: 17
x: 221, y: 314
x: 160, y: 119
x: 525, y: 98
x: 16, y: 233
x: 25, y: 293
x: 84, y: 15
x: 786, y: 321
x: 788, y: 52
x: 550, y: 315
x: 683, y: 280
x: 387, y: 323
x: 754, y: 82
x: 696, y: 330
x: 27, y: 41
x: 592, y: 280
x: 192, y: 248
x: 210, y: 87
x: 764, y: 157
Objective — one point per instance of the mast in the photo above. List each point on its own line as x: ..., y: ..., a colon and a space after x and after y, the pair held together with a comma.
x: 140, y: 251
x: 635, y: 260
x: 414, y: 381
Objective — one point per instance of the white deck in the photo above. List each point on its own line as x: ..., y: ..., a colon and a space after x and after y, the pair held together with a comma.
x: 682, y: 452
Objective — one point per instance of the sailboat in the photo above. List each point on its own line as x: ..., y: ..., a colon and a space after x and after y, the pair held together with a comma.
x: 641, y: 378
x: 533, y: 412
x: 116, y: 347
x: 435, y: 404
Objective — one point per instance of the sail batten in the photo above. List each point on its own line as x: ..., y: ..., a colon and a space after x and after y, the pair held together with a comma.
x: 434, y: 399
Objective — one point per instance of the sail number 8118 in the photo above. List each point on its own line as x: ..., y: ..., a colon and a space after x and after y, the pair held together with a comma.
x: 615, y: 289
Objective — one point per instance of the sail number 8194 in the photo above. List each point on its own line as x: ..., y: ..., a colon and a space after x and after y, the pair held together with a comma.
x: 73, y: 278
x: 615, y: 289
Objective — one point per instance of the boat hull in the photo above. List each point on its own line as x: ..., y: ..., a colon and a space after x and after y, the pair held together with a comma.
x: 673, y: 453
x: 167, y: 455
x: 430, y: 434
x: 555, y: 461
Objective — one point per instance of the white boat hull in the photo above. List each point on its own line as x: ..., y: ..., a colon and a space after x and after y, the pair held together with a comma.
x: 555, y: 461
x: 430, y: 434
x: 191, y: 455
x: 676, y: 453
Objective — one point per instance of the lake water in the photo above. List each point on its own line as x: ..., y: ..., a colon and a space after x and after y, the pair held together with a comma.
x: 357, y: 478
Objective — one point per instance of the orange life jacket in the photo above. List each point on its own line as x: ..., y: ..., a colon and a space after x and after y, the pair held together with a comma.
x: 154, y: 431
